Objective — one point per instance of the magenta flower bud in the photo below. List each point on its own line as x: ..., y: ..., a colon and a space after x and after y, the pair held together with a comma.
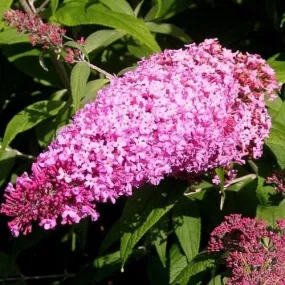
x: 256, y: 254
x: 47, y: 35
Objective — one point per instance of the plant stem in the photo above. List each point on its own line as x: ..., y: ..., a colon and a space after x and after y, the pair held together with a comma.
x: 41, y: 8
x: 108, y: 75
x: 26, y: 7
x: 57, y: 64
x: 31, y: 4
x: 240, y: 179
x: 19, y: 154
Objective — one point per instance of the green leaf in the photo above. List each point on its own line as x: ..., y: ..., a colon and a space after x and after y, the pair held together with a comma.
x: 277, y: 62
x: 30, y: 117
x: 45, y: 132
x: 159, y: 235
x: 4, y: 6
x: 217, y: 280
x: 107, y: 259
x: 112, y: 236
x: 187, y: 226
x: 75, y: 13
x: 143, y: 210
x: 166, y: 9
x: 282, y: 20
x: 169, y: 29
x: 81, y: 230
x: 159, y: 8
x: 177, y: 262
x: 78, y: 79
x: 138, y: 51
x: 127, y: 69
x: 221, y: 174
x: 91, y: 89
x: 10, y: 36
x: 64, y: 115
x: 99, y: 269
x: 274, y: 106
x: 193, y: 272
x: 276, y: 142
x: 27, y: 60
x: 119, y: 6
x: 7, y: 161
x: 138, y: 8
x: 102, y: 39
x: 54, y: 5
x: 271, y: 213
x: 94, y: 86
x: 263, y: 193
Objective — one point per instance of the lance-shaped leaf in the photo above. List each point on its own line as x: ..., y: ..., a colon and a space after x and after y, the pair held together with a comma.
x: 194, y: 271
x: 143, y: 210
x: 78, y: 79
x: 187, y: 226
x: 30, y: 117
x: 76, y: 13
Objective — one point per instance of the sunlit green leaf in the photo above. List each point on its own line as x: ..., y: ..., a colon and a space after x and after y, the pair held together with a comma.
x: 143, y: 210
x: 75, y: 13
x: 54, y: 5
x: 102, y: 38
x: 193, y: 272
x: 167, y: 8
x: 277, y: 62
x: 78, y: 79
x: 271, y: 213
x: 119, y: 6
x: 187, y: 226
x: 169, y: 29
x: 177, y: 262
x: 4, y: 6
x: 276, y: 142
x: 30, y: 117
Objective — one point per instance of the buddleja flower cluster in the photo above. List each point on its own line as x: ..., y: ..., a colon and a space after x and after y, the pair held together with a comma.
x: 180, y: 111
x: 47, y: 35
x: 256, y: 254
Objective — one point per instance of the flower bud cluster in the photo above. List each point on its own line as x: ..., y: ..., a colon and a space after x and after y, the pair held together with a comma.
x: 256, y: 254
x: 47, y: 35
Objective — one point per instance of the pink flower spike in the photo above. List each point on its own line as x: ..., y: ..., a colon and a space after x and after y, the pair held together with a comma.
x: 179, y: 113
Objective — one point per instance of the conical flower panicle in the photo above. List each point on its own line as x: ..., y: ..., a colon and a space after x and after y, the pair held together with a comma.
x: 187, y: 110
